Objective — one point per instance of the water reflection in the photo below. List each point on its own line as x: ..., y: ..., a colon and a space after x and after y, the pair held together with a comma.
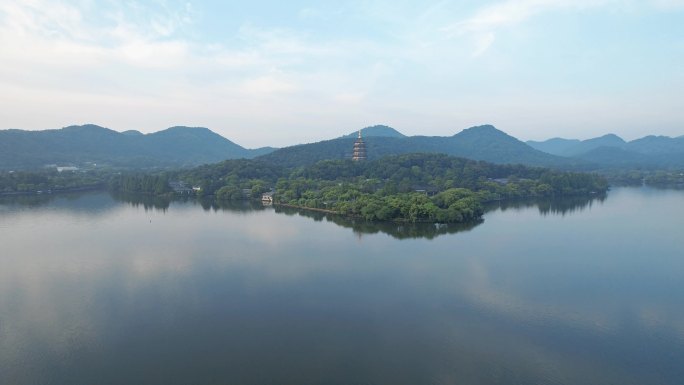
x: 163, y: 202
x: 148, y: 202
x: 209, y: 293
x: 210, y: 204
x: 85, y: 203
x: 553, y: 206
x: 32, y: 200
x: 398, y: 230
x: 546, y: 206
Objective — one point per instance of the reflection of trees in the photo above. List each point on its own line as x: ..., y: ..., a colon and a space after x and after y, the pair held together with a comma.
x: 546, y: 206
x: 562, y: 206
x: 399, y: 230
x: 672, y: 186
x: 26, y: 200
x: 81, y: 202
x: 90, y: 200
x: 162, y: 202
x: 211, y: 204
x: 148, y: 202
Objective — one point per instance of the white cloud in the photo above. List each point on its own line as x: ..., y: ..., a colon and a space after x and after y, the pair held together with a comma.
x: 512, y: 12
x: 279, y: 41
x: 668, y: 4
x: 483, y: 42
x: 350, y: 97
x: 146, y: 65
x: 145, y: 54
x: 486, y: 21
x: 267, y: 86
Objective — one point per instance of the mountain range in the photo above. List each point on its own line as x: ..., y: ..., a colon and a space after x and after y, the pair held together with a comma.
x: 611, y: 151
x: 377, y: 130
x: 76, y: 145
x: 480, y: 143
x: 190, y: 146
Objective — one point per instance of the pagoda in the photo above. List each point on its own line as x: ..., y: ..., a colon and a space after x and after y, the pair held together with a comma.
x: 359, y: 149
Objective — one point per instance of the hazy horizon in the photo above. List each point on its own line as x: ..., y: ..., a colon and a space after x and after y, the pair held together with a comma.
x: 351, y: 131
x: 277, y: 74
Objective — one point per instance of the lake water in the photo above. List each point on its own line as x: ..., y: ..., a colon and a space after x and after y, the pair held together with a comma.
x: 97, y: 290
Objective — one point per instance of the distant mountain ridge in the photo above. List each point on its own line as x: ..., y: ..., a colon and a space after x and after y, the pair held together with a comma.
x: 182, y: 146
x: 611, y: 151
x: 574, y: 147
x: 377, y: 130
x: 174, y: 147
x: 480, y: 143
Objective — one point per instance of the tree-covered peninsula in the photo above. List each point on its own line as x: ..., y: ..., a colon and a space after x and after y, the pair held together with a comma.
x: 409, y: 187
x: 50, y: 181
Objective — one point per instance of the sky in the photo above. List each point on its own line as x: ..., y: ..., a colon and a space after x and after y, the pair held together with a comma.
x: 285, y: 72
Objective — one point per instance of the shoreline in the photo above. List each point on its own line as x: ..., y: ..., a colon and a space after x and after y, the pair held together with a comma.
x: 53, y: 191
x: 325, y: 211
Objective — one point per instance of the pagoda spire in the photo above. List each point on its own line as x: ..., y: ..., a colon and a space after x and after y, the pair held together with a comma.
x: 359, y: 149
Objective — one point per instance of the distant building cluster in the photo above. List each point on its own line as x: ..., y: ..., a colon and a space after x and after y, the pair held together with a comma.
x: 180, y: 187
x: 66, y: 168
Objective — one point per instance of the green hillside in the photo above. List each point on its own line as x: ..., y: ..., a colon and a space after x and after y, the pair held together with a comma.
x: 479, y: 143
x: 612, y: 152
x: 78, y: 145
x: 378, y: 130
x: 574, y: 147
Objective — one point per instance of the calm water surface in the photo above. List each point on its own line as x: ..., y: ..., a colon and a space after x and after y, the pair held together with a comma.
x: 94, y: 290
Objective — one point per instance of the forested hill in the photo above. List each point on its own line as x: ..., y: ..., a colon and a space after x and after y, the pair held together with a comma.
x: 408, y: 187
x: 377, y: 130
x: 480, y: 143
x: 190, y: 146
x: 77, y: 145
x: 574, y: 147
x: 398, y: 173
x: 612, y: 152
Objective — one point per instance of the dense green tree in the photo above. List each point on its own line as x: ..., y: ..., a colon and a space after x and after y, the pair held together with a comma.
x: 407, y: 187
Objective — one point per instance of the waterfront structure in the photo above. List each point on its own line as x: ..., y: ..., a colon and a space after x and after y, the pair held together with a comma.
x: 359, y: 149
x: 267, y: 198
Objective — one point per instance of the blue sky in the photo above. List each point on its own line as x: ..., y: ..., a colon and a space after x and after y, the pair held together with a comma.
x: 280, y: 73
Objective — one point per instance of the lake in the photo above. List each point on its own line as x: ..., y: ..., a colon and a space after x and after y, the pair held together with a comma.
x: 96, y: 289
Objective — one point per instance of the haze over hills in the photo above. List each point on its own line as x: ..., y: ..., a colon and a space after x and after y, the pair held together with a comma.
x: 175, y: 146
x: 377, y: 130
x: 574, y: 147
x: 189, y: 146
x: 611, y: 151
x: 479, y: 143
